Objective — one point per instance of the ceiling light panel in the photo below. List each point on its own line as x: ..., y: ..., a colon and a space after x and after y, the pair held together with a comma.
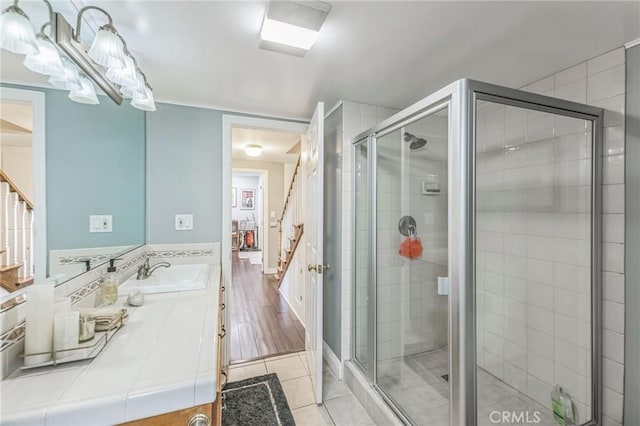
x: 292, y: 26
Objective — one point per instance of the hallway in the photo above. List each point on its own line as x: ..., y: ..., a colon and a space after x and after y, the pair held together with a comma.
x: 261, y: 322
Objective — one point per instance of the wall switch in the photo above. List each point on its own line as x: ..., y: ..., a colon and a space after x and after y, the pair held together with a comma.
x: 100, y: 223
x: 184, y: 222
x: 272, y: 214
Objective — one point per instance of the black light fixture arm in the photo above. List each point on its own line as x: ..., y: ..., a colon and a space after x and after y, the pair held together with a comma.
x: 109, y: 25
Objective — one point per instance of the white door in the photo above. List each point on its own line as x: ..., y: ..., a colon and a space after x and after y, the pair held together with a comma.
x: 313, y: 166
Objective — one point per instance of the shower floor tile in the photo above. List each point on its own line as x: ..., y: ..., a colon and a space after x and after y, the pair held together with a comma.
x: 416, y: 384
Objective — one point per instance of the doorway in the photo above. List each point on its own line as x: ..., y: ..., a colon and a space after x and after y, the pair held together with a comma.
x: 22, y: 162
x: 262, y: 316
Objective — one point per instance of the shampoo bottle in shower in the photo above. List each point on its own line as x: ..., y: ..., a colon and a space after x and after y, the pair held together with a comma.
x: 562, y: 407
x: 109, y: 292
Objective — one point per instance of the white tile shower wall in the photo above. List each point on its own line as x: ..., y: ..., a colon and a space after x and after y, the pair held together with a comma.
x: 426, y: 326
x: 533, y: 261
x: 357, y: 118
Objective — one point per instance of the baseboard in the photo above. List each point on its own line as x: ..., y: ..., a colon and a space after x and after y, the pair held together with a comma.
x: 270, y: 271
x: 292, y: 308
x: 332, y: 360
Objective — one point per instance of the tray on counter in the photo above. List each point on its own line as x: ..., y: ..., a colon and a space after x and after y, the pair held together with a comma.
x: 85, y: 350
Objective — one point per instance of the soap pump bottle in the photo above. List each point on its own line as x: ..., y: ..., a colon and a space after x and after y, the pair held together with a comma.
x: 109, y: 292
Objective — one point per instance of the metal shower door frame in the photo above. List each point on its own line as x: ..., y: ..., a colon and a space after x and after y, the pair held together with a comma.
x: 479, y: 91
x: 461, y: 98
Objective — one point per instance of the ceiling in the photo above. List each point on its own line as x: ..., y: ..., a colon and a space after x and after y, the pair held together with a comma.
x: 275, y: 145
x: 388, y: 53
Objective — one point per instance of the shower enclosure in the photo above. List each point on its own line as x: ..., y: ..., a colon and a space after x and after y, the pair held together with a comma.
x: 476, y: 257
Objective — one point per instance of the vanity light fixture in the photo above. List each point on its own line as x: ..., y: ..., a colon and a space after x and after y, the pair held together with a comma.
x: 16, y: 33
x: 107, y: 61
x: 86, y: 94
x: 47, y: 61
x: 292, y: 26
x: 69, y: 79
x: 253, y: 150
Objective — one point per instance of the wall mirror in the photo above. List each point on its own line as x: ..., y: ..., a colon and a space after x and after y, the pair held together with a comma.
x: 72, y: 185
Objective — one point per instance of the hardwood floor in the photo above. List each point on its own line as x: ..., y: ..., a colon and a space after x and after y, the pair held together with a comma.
x: 262, y: 324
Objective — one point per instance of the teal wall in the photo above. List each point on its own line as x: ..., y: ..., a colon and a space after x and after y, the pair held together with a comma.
x: 185, y: 173
x: 184, y: 160
x: 95, y: 159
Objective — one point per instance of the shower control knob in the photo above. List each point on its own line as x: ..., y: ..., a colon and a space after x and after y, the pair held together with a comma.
x: 312, y: 268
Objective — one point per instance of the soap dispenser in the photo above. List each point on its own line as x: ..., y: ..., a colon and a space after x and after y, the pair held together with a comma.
x: 109, y: 292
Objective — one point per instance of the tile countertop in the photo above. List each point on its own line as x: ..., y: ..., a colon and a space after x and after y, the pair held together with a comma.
x: 162, y: 360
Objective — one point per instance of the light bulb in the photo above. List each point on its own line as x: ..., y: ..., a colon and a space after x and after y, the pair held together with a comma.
x: 145, y: 104
x: 46, y: 62
x: 107, y: 49
x: 86, y: 94
x: 70, y: 80
x: 16, y: 33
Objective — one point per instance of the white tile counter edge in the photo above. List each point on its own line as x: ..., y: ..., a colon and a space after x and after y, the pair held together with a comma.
x: 156, y: 383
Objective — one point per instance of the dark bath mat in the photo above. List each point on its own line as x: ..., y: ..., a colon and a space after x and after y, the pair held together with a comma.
x: 258, y: 401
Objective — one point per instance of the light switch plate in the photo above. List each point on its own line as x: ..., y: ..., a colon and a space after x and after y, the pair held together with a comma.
x: 184, y: 222
x: 100, y: 223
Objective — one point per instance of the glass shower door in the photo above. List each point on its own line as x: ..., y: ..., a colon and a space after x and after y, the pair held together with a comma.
x: 534, y: 174
x: 361, y: 246
x: 411, y: 257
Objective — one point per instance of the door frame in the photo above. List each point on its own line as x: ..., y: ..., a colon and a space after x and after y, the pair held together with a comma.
x: 38, y: 139
x: 264, y: 207
x: 228, y: 122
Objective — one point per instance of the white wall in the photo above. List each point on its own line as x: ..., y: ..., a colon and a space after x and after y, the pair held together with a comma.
x: 276, y: 202
x: 242, y: 181
x: 17, y: 162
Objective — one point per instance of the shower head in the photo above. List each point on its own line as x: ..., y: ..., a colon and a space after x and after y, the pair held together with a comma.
x: 414, y: 141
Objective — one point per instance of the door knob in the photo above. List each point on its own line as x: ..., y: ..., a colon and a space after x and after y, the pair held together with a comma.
x: 318, y: 268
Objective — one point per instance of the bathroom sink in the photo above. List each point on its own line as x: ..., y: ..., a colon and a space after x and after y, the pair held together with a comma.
x: 167, y: 280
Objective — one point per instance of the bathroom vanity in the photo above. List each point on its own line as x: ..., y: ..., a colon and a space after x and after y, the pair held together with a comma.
x: 162, y: 367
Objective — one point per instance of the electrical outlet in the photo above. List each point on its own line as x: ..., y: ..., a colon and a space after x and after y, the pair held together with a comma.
x: 100, y: 223
x: 184, y: 222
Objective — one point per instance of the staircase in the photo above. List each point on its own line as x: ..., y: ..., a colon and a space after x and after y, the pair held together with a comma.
x: 16, y: 236
x: 291, y: 227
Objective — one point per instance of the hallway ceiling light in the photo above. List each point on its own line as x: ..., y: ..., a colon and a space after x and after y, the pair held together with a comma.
x: 292, y: 26
x: 16, y: 33
x: 108, y: 62
x: 253, y: 150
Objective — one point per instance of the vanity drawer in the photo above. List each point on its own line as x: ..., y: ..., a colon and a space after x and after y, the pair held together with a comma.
x: 182, y: 417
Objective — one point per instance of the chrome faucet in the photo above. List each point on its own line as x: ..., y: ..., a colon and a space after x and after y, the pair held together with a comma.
x: 145, y: 271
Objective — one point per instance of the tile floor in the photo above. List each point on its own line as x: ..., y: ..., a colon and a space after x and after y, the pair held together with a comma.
x: 340, y: 406
x: 416, y: 382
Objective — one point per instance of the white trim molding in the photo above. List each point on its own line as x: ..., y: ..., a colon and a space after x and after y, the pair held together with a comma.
x: 632, y: 43
x: 333, y: 361
x: 228, y: 122
x: 37, y: 101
